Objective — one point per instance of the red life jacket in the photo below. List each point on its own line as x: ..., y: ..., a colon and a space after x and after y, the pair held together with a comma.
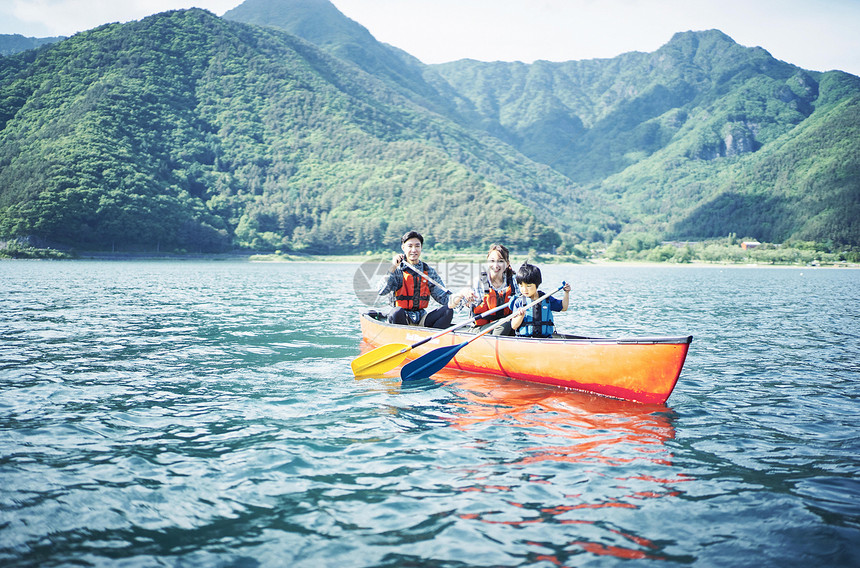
x: 493, y: 299
x: 412, y: 297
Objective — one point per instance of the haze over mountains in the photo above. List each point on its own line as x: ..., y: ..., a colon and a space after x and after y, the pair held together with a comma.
x: 285, y: 125
x: 11, y: 44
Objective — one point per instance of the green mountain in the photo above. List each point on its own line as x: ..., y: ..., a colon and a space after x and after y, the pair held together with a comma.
x: 16, y: 43
x: 654, y: 139
x: 285, y: 125
x: 701, y: 138
x: 322, y: 24
x: 185, y: 130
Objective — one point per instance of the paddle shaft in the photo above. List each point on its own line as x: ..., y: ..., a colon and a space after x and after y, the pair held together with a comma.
x: 422, y: 275
x: 513, y: 315
x: 389, y: 356
x: 459, y: 325
x: 431, y: 362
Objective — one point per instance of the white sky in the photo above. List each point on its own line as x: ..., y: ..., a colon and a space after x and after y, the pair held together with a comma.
x: 814, y: 34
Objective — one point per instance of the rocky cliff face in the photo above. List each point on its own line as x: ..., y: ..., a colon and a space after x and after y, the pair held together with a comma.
x: 739, y: 139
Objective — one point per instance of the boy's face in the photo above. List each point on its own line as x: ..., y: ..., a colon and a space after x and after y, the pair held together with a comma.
x: 528, y: 290
x: 412, y: 250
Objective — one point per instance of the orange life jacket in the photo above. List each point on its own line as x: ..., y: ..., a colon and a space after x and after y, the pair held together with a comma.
x: 412, y: 297
x: 493, y: 299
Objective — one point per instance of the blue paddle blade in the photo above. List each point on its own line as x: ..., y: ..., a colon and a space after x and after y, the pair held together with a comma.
x: 426, y: 365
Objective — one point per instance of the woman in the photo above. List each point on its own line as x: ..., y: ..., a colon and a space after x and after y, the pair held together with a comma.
x: 495, y: 287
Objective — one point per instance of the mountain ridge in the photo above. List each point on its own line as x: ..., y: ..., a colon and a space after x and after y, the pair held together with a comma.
x: 11, y: 44
x: 210, y: 152
x: 626, y: 109
x: 266, y: 140
x: 322, y: 24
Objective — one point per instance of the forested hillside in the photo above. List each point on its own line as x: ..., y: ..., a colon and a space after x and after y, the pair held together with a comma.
x: 659, y: 142
x: 699, y: 139
x: 185, y: 130
x: 285, y: 125
x: 320, y: 23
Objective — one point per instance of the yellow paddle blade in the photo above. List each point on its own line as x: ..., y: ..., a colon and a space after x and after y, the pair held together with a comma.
x: 380, y: 360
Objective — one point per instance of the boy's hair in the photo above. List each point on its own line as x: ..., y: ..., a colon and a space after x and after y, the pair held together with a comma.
x: 529, y: 274
x: 411, y: 235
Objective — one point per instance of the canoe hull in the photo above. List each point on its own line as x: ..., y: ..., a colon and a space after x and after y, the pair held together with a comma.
x: 642, y: 369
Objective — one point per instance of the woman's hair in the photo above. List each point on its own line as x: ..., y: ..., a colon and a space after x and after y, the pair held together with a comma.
x: 529, y: 274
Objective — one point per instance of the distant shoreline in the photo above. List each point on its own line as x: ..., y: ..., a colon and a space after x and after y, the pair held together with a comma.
x: 548, y: 259
x: 430, y: 257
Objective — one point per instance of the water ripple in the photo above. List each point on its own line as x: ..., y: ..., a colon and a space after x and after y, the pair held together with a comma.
x: 204, y: 414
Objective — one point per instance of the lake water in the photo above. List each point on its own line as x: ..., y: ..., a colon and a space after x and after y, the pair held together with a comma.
x: 205, y: 414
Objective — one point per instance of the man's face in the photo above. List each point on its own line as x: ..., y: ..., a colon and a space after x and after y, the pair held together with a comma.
x: 412, y: 250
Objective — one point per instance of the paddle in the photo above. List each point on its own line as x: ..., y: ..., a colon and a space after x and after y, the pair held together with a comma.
x: 386, y: 357
x: 426, y: 365
x: 422, y: 275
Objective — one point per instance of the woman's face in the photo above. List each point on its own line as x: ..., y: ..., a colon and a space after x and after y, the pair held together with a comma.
x: 495, y: 263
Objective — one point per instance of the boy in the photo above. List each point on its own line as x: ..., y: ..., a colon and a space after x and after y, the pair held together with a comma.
x: 537, y: 322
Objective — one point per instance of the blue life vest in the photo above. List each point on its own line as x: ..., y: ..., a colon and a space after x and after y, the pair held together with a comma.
x: 538, y: 321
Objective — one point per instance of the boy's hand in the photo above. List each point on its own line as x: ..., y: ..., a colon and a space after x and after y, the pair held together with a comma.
x: 566, y: 287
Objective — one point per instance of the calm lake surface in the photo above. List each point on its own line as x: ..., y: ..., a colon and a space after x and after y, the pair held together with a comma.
x: 205, y: 414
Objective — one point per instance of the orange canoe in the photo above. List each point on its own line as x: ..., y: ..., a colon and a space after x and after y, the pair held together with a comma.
x: 642, y: 369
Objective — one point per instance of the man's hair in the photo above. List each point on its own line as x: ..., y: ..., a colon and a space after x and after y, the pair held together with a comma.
x: 529, y: 274
x: 412, y: 235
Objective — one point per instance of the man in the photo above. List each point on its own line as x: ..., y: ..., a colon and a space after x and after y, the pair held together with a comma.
x: 411, y: 283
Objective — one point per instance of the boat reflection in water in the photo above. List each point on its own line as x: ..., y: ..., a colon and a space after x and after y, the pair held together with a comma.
x: 597, y: 463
